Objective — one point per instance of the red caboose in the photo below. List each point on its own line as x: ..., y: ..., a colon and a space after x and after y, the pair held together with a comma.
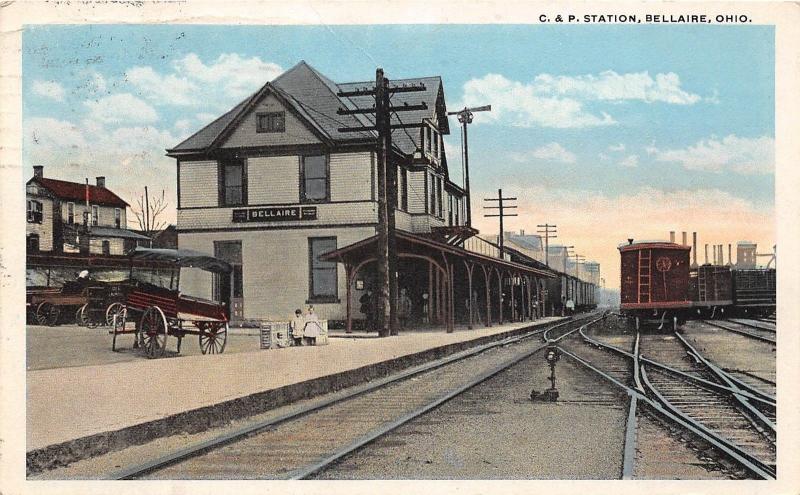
x: 654, y: 280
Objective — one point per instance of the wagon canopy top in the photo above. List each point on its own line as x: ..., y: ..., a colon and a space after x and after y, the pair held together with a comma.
x: 185, y: 258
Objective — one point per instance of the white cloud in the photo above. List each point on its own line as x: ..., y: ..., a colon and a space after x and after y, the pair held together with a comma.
x: 551, y: 152
x: 164, y: 89
x: 630, y: 161
x: 651, y: 150
x: 748, y: 156
x: 193, y: 82
x: 604, y: 157
x: 617, y: 147
x: 522, y: 105
x: 49, y: 133
x: 121, y: 108
x: 48, y: 89
x: 608, y: 85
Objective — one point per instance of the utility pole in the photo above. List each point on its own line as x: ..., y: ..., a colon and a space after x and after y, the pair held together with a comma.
x: 387, y: 188
x: 501, y: 207
x: 465, y: 117
x: 548, y: 230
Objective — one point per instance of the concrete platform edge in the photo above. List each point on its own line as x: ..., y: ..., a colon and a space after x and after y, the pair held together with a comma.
x: 216, y: 415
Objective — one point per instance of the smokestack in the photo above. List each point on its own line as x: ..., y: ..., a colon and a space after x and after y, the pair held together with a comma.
x: 706, y: 262
x: 721, y: 254
x: 714, y: 251
x: 729, y: 255
x: 683, y: 236
x: 521, y: 232
x: 38, y: 171
x: 101, y: 181
x: 672, y: 236
x: 694, y: 249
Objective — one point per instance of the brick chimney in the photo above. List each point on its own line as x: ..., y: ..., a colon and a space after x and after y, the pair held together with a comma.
x: 38, y: 171
x: 101, y: 181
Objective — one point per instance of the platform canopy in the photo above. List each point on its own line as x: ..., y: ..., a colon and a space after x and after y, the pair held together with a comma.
x: 184, y: 258
x: 452, y: 274
x: 408, y: 243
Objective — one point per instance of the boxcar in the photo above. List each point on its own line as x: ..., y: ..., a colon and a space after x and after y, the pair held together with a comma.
x: 754, y: 290
x: 654, y: 281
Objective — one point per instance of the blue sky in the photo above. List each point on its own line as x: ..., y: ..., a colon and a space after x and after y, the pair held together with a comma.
x: 676, y: 115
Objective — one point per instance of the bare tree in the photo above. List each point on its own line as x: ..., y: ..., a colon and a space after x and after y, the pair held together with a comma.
x: 149, y: 212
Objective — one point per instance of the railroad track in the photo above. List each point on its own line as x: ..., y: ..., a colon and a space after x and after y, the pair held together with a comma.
x: 753, y: 332
x: 720, y: 409
x: 303, y: 443
x: 752, y: 323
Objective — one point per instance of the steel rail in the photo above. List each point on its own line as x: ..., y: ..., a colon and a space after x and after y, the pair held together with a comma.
x: 739, y: 331
x: 749, y: 461
x: 737, y: 395
x: 751, y: 325
x: 629, y: 451
x: 751, y: 464
x: 750, y: 392
x: 307, y: 471
x: 248, y: 430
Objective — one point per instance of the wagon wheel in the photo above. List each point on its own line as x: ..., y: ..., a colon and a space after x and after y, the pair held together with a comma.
x: 153, y: 330
x: 114, y: 309
x: 47, y: 314
x: 79, y: 316
x: 118, y: 326
x: 213, y: 336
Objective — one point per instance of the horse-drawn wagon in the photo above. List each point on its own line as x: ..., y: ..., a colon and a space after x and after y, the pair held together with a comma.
x: 158, y: 310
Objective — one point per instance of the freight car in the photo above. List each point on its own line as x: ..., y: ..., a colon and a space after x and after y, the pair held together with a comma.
x: 564, y: 291
x: 658, y: 283
x: 654, y: 281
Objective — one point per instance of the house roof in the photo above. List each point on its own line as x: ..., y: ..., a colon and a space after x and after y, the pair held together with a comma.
x: 114, y: 232
x: 75, y: 191
x: 313, y: 97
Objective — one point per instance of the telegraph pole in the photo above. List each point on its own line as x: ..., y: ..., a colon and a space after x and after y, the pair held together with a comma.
x: 549, y: 233
x: 465, y: 117
x: 387, y: 188
x: 501, y: 207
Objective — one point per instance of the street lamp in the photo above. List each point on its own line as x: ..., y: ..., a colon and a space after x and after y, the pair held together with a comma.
x: 465, y: 117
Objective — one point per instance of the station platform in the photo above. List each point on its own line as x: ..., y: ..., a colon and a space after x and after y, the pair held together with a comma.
x: 101, y: 406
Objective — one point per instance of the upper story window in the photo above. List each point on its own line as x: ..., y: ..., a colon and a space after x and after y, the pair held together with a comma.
x: 95, y: 215
x: 314, y: 179
x: 117, y: 217
x: 232, y: 183
x: 404, y: 189
x: 432, y: 194
x: 428, y: 132
x: 440, y: 211
x: 436, y: 144
x: 271, y: 122
x: 34, y: 211
x: 70, y: 213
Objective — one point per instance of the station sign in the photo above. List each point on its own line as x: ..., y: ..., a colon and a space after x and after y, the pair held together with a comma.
x: 275, y: 214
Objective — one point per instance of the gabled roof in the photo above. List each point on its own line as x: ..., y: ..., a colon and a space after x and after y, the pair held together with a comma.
x: 313, y: 98
x: 75, y: 191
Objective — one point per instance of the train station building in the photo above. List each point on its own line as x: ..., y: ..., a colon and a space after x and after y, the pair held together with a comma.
x: 278, y: 189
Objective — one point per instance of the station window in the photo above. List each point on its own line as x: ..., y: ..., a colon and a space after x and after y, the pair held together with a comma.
x: 271, y: 122
x: 117, y: 217
x: 323, y: 279
x: 32, y: 242
x: 106, y: 247
x: 70, y: 213
x: 314, y: 182
x: 95, y: 215
x: 34, y: 211
x: 432, y: 189
x: 404, y: 189
x: 232, y: 183
x: 440, y: 212
x: 436, y: 144
x: 428, y: 138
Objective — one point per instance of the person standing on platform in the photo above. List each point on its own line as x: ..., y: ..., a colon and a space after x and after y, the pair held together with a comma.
x: 311, y: 330
x: 297, y: 325
x: 368, y: 308
x: 404, y: 308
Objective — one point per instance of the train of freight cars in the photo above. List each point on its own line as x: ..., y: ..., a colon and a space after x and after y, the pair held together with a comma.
x: 658, y: 283
x: 566, y: 294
